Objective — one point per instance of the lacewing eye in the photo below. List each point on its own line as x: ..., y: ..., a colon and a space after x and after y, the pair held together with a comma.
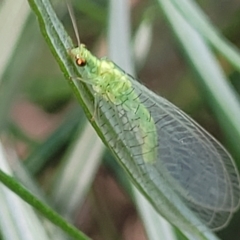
x: 81, y: 62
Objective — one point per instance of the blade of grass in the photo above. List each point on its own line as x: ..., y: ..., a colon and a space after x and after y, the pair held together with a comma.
x: 24, y: 178
x: 143, y: 37
x: 13, y: 69
x: 119, y: 32
x: 18, y: 220
x: 10, y: 10
x: 202, y: 24
x: 46, y: 211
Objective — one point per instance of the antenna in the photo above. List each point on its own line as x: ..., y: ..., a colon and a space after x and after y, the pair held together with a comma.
x: 73, y: 19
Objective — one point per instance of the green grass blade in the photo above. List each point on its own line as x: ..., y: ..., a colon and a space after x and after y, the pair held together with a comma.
x: 31, y: 222
x: 119, y: 25
x: 46, y: 211
x: 18, y: 220
x: 9, y: 38
x: 143, y: 38
x: 10, y: 66
x: 200, y: 22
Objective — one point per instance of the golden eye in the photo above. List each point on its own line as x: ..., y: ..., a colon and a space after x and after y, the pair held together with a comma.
x: 81, y: 62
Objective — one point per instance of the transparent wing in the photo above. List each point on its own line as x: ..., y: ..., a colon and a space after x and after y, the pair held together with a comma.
x: 196, y: 165
x: 204, y: 173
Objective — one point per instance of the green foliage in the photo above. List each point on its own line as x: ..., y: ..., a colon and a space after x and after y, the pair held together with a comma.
x: 65, y: 160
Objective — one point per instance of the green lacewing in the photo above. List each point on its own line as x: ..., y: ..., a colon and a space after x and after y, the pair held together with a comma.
x: 155, y: 139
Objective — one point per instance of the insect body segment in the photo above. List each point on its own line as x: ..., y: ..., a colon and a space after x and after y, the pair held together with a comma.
x: 115, y: 87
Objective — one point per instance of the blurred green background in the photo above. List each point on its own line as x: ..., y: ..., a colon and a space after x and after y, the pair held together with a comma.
x: 47, y: 141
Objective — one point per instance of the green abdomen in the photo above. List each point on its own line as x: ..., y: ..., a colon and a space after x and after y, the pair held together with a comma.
x: 147, y: 134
